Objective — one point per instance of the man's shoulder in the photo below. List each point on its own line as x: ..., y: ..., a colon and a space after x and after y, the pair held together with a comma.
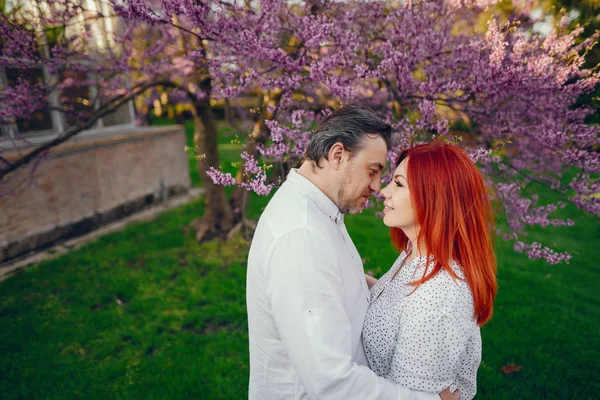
x: 290, y: 210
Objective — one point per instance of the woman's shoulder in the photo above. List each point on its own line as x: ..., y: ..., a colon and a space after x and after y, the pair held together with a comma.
x: 445, y: 292
x: 445, y: 280
x: 456, y: 280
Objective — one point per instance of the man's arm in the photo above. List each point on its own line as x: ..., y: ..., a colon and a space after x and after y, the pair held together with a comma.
x: 306, y: 291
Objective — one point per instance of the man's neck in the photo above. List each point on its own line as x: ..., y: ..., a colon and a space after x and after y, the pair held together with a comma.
x: 318, y: 178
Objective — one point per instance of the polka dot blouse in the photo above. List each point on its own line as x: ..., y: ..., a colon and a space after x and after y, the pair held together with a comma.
x: 427, y: 340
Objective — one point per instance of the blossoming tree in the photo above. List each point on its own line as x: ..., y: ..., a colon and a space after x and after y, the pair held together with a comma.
x: 504, y: 93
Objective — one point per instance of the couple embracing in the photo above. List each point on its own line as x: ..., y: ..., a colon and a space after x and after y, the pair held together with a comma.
x: 319, y: 328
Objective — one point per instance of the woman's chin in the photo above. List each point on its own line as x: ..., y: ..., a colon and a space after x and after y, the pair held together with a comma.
x: 390, y: 224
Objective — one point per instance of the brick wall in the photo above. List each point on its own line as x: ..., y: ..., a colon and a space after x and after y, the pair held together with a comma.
x: 89, y: 181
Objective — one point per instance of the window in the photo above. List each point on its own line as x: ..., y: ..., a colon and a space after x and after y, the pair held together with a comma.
x: 49, y: 120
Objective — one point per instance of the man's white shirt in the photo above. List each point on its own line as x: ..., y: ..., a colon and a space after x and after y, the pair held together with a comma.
x: 307, y: 299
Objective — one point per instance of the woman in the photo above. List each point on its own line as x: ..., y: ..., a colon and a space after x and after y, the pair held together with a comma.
x: 422, y: 327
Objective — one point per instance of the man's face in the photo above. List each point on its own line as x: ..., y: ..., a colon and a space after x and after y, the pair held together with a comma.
x: 362, y: 175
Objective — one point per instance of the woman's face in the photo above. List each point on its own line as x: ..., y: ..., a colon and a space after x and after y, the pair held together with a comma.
x: 398, y: 210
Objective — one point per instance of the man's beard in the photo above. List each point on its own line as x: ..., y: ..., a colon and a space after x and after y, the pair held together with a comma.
x: 346, y: 205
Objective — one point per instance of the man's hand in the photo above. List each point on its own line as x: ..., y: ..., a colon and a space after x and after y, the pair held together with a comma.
x: 370, y: 280
x: 447, y: 395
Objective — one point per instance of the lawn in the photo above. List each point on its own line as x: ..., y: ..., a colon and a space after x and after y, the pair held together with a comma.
x: 147, y: 313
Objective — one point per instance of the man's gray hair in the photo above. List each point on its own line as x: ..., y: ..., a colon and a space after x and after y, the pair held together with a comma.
x: 349, y: 125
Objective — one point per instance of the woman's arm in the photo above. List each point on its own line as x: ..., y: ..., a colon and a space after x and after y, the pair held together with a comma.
x: 433, y: 351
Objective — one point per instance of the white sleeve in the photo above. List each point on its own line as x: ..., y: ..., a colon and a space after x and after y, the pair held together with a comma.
x: 432, y: 344
x: 467, y: 367
x: 306, y: 292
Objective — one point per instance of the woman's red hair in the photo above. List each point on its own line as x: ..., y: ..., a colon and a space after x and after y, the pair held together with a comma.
x: 454, y: 212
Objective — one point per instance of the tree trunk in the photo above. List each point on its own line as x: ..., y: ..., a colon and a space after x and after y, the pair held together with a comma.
x: 218, y: 219
x: 240, y: 196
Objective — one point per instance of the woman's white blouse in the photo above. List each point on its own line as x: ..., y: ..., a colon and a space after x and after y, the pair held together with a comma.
x: 427, y: 339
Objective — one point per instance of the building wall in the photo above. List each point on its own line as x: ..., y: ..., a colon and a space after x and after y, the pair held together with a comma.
x: 89, y: 181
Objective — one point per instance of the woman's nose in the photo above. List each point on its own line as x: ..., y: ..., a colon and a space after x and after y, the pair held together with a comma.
x: 385, y: 192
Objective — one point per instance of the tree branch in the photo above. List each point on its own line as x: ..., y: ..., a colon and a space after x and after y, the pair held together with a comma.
x: 106, y: 109
x: 4, y: 160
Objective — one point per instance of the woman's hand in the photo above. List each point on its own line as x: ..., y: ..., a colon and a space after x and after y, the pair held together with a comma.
x: 448, y: 395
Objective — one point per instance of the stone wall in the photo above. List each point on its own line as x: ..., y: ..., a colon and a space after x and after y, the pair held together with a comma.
x: 88, y: 181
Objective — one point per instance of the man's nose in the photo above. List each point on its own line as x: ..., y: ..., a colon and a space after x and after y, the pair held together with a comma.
x: 375, y: 185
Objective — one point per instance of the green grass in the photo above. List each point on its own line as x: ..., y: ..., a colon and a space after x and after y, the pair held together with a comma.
x: 143, y: 313
x: 148, y: 313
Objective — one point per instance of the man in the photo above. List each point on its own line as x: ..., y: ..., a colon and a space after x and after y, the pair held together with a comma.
x: 306, y: 290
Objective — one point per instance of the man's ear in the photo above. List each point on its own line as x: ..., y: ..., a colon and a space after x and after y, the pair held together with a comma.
x: 335, y: 155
